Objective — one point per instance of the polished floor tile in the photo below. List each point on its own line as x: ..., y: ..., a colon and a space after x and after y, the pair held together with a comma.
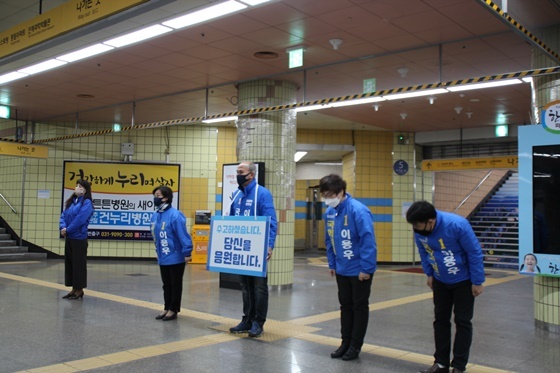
x: 113, y: 328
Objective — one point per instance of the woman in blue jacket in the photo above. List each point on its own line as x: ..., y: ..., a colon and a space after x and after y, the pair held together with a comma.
x: 352, y: 257
x: 173, y: 249
x: 74, y: 222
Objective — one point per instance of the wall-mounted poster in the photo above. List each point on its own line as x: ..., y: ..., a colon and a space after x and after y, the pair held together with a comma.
x: 122, y: 195
x: 229, y: 183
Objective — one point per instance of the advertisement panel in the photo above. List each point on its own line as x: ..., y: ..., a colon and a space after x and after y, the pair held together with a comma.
x: 122, y: 195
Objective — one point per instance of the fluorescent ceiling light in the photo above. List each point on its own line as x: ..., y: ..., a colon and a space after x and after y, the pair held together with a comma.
x: 427, y: 92
x: 85, y: 52
x: 43, y: 66
x: 499, y: 83
x: 328, y: 163
x: 11, y: 76
x: 299, y: 155
x: 527, y: 79
x: 136, y: 36
x: 254, y: 2
x: 312, y: 107
x: 358, y: 102
x: 204, y: 14
x: 223, y: 119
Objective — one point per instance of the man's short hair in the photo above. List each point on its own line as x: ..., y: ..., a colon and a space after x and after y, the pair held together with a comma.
x: 333, y: 184
x: 165, y: 191
x: 420, y: 212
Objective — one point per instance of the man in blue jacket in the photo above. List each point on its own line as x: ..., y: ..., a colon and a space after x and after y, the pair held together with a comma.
x: 452, y: 259
x: 252, y: 199
x: 352, y: 257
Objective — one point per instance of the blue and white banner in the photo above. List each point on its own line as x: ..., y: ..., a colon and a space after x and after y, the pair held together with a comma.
x: 238, y: 245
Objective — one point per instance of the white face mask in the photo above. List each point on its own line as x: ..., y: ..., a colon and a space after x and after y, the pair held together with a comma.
x: 79, y: 191
x: 332, y: 202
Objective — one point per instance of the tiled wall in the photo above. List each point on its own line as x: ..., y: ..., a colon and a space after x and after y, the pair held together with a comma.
x: 201, y: 151
x: 194, y: 147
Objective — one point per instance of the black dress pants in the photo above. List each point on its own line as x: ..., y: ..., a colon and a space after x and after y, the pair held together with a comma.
x: 172, y: 278
x: 459, y: 299
x: 75, y: 263
x: 353, y: 296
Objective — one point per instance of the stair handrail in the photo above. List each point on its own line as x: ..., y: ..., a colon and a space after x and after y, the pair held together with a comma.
x: 472, y: 192
x: 8, y: 203
x: 490, y: 194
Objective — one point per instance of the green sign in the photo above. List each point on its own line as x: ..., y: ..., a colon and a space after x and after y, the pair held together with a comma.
x: 369, y: 85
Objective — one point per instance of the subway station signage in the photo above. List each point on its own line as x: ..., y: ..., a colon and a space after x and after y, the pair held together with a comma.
x: 469, y: 163
x: 23, y: 150
x: 65, y: 18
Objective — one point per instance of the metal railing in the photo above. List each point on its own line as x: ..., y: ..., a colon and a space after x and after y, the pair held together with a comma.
x: 472, y: 192
x: 8, y: 203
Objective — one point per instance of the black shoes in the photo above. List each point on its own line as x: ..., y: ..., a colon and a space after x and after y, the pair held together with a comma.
x: 256, y: 330
x: 68, y: 295
x: 351, y: 354
x: 242, y: 327
x: 76, y: 295
x: 436, y: 369
x: 161, y: 315
x: 169, y: 318
x: 340, y: 351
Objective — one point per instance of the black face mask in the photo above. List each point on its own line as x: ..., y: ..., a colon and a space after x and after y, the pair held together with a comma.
x: 241, y: 179
x: 158, y: 201
x: 424, y: 232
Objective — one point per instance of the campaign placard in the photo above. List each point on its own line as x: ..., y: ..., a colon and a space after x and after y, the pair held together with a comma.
x: 238, y: 245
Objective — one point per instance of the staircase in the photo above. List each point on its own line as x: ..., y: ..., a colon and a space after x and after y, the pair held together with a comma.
x: 9, y: 251
x: 496, y: 224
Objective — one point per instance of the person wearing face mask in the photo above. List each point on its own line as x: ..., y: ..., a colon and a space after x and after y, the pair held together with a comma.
x: 452, y: 259
x: 74, y: 222
x: 173, y: 248
x: 352, y: 257
x: 252, y: 199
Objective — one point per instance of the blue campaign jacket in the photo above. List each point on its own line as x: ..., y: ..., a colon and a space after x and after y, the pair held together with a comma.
x: 451, y: 253
x: 173, y: 242
x: 350, y: 239
x: 243, y: 204
x: 76, y: 218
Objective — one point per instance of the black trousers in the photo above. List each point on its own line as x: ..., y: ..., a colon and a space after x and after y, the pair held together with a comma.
x: 172, y: 278
x: 353, y: 296
x: 75, y: 263
x: 255, y: 298
x: 459, y: 299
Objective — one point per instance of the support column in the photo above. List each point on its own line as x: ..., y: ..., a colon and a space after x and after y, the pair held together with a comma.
x: 546, y: 291
x: 271, y: 138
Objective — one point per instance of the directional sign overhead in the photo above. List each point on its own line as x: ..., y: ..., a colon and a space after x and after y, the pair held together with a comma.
x: 469, y: 163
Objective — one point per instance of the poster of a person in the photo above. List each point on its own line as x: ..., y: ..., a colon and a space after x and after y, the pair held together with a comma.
x: 529, y: 264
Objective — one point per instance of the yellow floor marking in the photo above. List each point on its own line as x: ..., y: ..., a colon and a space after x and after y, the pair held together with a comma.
x: 20, y: 262
x: 133, y: 354
x: 392, y: 353
x: 296, y: 328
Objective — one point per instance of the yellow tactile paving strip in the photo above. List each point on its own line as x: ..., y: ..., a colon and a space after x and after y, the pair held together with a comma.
x: 275, y: 330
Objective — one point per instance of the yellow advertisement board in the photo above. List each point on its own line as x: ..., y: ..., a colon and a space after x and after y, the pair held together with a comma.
x: 23, y: 150
x: 122, y: 195
x: 469, y: 163
x: 67, y: 17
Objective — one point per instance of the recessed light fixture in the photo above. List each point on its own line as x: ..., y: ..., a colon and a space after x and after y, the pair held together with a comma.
x: 265, y: 55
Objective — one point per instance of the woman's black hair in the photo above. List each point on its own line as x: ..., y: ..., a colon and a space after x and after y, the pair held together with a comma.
x: 332, y: 184
x: 87, y: 195
x: 523, y: 265
x: 165, y: 191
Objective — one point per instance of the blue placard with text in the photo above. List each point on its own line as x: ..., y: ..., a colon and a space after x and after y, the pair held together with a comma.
x: 238, y: 245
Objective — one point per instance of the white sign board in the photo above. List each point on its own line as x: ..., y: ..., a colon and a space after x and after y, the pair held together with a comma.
x: 238, y: 245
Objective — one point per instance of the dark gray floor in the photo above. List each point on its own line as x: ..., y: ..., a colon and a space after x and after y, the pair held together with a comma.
x: 40, y: 330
